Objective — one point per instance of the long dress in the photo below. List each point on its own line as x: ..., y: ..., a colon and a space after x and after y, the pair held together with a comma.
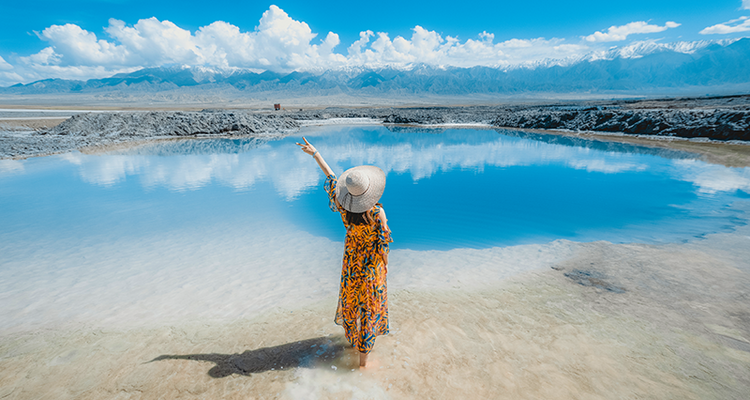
x: 363, y: 297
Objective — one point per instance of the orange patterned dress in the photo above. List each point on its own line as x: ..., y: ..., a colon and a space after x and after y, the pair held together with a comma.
x: 363, y: 297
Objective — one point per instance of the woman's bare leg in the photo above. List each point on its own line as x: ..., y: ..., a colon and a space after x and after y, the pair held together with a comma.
x: 362, y: 360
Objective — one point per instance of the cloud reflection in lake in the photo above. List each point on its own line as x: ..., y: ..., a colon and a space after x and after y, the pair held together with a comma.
x: 488, y: 187
x: 421, y: 155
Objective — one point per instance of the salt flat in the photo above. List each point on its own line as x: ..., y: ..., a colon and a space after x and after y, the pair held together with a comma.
x: 604, y: 321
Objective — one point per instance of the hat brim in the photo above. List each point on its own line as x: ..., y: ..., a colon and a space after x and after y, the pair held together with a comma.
x: 370, y: 197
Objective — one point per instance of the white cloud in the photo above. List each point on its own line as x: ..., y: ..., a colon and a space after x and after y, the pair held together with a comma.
x: 619, y: 33
x: 45, y: 57
x: 7, y: 74
x: 283, y: 44
x: 278, y: 42
x: 75, y: 46
x: 745, y: 5
x: 729, y: 26
x: 429, y: 47
x: 4, y: 66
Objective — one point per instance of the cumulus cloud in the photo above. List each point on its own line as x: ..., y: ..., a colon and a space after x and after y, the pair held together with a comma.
x: 430, y: 47
x: 741, y: 24
x: 278, y: 42
x: 75, y: 46
x: 424, y: 46
x: 619, y: 33
x: 282, y: 44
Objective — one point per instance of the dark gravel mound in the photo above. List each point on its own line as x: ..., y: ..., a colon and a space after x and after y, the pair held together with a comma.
x: 102, y: 129
x: 166, y: 123
x: 714, y: 124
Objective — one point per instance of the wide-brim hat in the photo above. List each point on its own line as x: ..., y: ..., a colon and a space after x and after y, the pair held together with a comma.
x: 359, y: 188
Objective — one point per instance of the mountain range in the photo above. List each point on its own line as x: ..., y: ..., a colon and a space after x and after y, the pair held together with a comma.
x: 648, y: 66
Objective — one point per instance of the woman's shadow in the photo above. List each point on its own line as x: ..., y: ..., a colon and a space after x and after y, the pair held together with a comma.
x: 303, y: 354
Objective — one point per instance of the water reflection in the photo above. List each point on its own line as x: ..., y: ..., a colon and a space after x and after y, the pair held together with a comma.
x: 579, y: 142
x: 560, y: 140
x: 418, y: 152
x: 710, y: 178
x: 457, y: 188
x: 8, y: 167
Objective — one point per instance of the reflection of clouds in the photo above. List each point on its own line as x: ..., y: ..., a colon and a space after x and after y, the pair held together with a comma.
x: 11, y: 166
x: 606, y: 167
x: 423, y: 161
x: 107, y: 170
x: 711, y: 178
x: 73, y: 158
x: 292, y: 172
x: 190, y: 173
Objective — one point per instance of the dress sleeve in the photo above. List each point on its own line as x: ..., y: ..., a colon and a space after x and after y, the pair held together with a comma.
x: 330, y: 188
x: 384, y: 234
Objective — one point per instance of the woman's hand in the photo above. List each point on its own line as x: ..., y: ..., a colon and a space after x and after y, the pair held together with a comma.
x: 307, y: 147
x: 310, y: 149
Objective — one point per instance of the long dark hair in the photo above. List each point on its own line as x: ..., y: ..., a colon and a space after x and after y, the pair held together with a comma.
x: 362, y: 218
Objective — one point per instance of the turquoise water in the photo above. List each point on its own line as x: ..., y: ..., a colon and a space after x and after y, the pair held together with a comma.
x: 445, y: 189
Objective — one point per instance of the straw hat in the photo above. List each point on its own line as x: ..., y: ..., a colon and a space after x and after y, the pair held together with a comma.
x: 359, y: 188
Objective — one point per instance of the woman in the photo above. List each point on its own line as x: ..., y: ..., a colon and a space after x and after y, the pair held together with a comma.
x: 363, y: 299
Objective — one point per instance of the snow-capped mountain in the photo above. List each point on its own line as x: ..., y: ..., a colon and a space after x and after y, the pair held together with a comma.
x: 644, y: 66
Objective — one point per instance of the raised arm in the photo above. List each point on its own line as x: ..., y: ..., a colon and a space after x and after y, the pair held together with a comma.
x: 310, y: 149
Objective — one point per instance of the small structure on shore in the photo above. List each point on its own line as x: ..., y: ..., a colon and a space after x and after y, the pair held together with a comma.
x: 277, y: 107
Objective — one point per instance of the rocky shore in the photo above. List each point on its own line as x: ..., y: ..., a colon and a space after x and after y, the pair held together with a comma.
x: 719, y: 118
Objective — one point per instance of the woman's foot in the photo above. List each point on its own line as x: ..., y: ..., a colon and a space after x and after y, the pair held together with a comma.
x: 362, y: 360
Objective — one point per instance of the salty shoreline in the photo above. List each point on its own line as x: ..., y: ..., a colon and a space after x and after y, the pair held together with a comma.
x: 721, y: 120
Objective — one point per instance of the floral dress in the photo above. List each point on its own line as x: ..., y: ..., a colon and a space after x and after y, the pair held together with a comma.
x: 363, y: 295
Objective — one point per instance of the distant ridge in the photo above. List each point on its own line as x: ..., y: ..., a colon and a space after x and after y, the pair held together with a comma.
x: 642, y: 67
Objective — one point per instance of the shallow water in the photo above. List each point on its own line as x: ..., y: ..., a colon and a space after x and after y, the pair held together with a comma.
x: 222, y: 229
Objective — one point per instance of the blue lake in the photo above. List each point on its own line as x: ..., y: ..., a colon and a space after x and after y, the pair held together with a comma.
x: 445, y: 189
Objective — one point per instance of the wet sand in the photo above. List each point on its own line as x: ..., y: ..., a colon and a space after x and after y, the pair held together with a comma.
x: 606, y: 321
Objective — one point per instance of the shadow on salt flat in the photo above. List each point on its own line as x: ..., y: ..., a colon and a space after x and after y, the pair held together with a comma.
x: 302, y: 354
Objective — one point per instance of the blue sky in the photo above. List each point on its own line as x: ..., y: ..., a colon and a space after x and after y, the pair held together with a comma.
x: 78, y: 39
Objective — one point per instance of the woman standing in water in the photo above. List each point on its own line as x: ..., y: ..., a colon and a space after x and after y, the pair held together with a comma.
x: 363, y: 298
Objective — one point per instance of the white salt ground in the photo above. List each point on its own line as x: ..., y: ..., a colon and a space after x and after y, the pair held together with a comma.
x: 182, y: 317
x: 216, y: 274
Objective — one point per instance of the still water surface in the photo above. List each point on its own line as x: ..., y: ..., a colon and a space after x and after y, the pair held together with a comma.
x: 445, y: 189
